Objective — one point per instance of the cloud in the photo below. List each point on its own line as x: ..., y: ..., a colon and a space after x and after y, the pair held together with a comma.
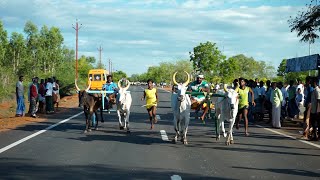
x: 134, y: 33
x: 136, y: 42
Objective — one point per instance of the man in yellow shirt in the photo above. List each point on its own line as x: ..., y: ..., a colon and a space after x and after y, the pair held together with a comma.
x: 244, y: 104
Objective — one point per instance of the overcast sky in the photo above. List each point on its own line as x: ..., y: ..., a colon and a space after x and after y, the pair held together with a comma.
x: 137, y: 34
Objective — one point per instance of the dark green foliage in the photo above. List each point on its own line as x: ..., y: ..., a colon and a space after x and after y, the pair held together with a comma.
x: 38, y: 53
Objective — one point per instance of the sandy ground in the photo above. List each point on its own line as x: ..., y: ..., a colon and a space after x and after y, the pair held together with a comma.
x: 9, y: 121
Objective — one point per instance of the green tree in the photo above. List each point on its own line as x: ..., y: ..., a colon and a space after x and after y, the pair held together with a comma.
x: 206, y: 57
x: 55, y: 48
x: 91, y: 59
x: 306, y: 23
x: 3, y: 43
x: 16, y: 51
x: 282, y: 68
x: 31, y: 48
x: 83, y: 67
x: 134, y: 78
x: 117, y: 75
x: 229, y: 70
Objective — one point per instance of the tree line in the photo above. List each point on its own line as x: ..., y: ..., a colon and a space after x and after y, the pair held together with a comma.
x: 207, y: 59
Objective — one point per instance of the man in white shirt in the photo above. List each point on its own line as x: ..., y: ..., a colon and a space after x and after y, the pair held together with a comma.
x: 300, y: 85
x: 49, y: 99
x: 284, y: 101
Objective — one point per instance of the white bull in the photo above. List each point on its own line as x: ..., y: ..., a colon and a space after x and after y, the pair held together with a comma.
x: 226, y: 110
x: 124, y: 102
x: 181, y: 107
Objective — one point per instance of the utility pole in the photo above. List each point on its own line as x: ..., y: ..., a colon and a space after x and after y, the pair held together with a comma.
x: 77, y: 29
x: 109, y: 66
x: 100, y: 50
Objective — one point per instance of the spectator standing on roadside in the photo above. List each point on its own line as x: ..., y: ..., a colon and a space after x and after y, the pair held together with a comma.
x: 49, y: 99
x: 276, y: 99
x: 33, y: 98
x: 41, y: 95
x: 307, y: 104
x: 56, y: 94
x: 315, y: 109
x: 20, y: 98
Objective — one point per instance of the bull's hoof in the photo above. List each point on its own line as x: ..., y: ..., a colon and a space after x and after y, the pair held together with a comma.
x: 227, y: 143
x: 218, y: 138
x: 128, y: 131
x: 89, y: 130
x: 174, y: 141
x: 185, y: 142
x: 231, y: 142
x: 121, y: 127
x: 85, y: 131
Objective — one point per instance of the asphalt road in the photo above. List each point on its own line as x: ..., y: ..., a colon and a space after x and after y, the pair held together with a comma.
x: 65, y: 152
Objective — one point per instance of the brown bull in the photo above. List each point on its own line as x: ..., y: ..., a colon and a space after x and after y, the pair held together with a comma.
x: 91, y: 103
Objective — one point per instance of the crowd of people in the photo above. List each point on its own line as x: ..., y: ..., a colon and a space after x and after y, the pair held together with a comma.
x: 277, y: 99
x: 41, y: 96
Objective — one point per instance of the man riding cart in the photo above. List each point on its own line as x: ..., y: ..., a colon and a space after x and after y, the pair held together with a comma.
x: 198, y: 101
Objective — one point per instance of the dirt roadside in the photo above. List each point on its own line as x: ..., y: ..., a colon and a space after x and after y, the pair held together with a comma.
x: 8, y: 120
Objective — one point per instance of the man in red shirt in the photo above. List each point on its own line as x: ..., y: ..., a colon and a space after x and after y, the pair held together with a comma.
x: 33, y: 98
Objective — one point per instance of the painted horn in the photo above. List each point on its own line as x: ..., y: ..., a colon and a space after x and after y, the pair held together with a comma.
x: 188, y: 80
x: 174, y: 78
x: 75, y: 83
x: 88, y: 86
x: 128, y: 85
x: 225, y: 87
x: 119, y: 85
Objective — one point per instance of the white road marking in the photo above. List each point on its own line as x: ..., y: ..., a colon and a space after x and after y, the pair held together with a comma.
x: 36, y: 134
x: 164, y: 135
x: 288, y: 136
x: 176, y: 177
x: 158, y: 117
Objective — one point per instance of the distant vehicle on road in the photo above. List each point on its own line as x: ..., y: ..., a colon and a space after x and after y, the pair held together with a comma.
x: 98, y: 77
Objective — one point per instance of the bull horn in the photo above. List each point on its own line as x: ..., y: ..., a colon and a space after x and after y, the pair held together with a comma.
x: 119, y: 84
x: 128, y: 85
x: 188, y: 80
x: 88, y: 86
x: 174, y: 78
x: 75, y: 83
x: 225, y: 87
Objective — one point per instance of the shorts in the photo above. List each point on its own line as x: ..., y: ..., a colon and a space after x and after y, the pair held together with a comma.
x: 244, y: 107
